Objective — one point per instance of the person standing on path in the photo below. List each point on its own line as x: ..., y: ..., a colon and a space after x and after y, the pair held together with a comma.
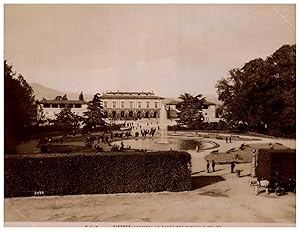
x: 207, y: 166
x: 213, y: 164
x: 226, y: 139
x: 230, y: 139
x: 232, y: 167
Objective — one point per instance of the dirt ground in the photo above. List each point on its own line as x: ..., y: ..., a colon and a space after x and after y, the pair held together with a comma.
x: 216, y: 198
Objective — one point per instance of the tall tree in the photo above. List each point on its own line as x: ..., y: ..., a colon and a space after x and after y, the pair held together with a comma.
x: 190, y: 110
x: 94, y: 116
x: 67, y: 120
x: 261, y: 95
x: 41, y: 117
x: 20, y: 108
x: 81, y: 96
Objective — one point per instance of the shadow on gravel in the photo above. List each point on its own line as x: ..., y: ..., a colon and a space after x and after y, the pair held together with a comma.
x: 201, y: 181
x: 213, y: 194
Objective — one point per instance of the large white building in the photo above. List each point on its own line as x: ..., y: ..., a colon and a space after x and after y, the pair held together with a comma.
x: 54, y: 106
x: 130, y: 105
x: 125, y: 105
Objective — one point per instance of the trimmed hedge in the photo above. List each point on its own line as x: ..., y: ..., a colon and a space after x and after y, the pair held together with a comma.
x: 272, y: 161
x: 60, y: 174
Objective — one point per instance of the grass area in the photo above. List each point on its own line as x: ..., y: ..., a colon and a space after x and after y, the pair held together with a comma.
x: 74, y: 144
x: 240, y: 155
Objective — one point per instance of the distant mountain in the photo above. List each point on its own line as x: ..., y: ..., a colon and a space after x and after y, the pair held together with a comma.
x: 41, y: 91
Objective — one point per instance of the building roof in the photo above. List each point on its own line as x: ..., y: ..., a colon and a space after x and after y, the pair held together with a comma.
x: 129, y: 95
x: 175, y: 102
x: 55, y: 101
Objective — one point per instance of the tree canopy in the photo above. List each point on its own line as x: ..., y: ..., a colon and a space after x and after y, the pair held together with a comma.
x: 261, y: 95
x: 94, y: 116
x: 190, y: 110
x: 67, y: 120
x: 20, y: 107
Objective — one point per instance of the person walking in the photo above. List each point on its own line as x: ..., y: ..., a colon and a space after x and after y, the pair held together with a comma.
x: 207, y: 166
x: 213, y: 164
x: 226, y: 139
x: 232, y: 167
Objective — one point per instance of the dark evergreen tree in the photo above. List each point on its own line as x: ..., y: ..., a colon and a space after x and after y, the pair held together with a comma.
x: 190, y: 110
x: 94, y: 116
x: 81, y: 96
x: 67, y: 121
x: 20, y: 108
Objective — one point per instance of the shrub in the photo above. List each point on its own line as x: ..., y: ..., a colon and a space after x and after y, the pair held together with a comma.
x: 121, y: 172
x: 114, y: 149
x: 272, y: 161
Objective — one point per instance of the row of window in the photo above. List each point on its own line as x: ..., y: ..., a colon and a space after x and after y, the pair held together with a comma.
x: 55, y: 105
x: 139, y: 104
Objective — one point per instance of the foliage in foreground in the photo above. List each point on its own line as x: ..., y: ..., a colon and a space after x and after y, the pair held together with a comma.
x: 261, y: 96
x: 61, y: 174
x: 20, y: 108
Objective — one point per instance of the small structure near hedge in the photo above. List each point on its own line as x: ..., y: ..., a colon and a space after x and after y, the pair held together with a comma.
x: 276, y: 162
x: 61, y: 174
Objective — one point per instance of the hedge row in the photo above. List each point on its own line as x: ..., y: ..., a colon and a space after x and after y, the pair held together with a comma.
x: 273, y: 162
x: 61, y: 174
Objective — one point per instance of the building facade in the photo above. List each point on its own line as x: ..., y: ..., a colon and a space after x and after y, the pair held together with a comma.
x: 131, y: 105
x: 125, y: 105
x: 52, y: 107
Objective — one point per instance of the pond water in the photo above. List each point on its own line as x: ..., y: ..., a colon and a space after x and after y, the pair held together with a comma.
x: 176, y: 143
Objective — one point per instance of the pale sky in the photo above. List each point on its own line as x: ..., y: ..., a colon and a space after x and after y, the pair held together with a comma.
x: 168, y: 49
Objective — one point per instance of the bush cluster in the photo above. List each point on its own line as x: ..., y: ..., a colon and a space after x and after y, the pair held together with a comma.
x: 61, y: 174
x: 273, y: 162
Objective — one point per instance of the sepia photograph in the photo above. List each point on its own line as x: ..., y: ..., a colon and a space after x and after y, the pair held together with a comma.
x: 149, y: 115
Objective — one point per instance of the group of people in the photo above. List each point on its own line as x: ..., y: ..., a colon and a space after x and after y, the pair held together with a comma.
x: 228, y: 139
x: 213, y: 164
x: 50, y: 140
x: 145, y: 132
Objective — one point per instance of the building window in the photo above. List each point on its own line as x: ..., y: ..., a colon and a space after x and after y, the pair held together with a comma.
x: 156, y: 104
x: 114, y: 104
x: 105, y: 103
x: 62, y: 105
x: 131, y: 104
x: 77, y: 105
x: 46, y: 105
x: 122, y: 104
x: 139, y: 104
x: 147, y: 104
x: 55, y: 105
